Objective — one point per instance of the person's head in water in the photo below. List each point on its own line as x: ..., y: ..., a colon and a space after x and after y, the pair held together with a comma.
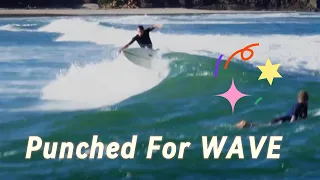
x: 303, y: 97
x: 140, y: 30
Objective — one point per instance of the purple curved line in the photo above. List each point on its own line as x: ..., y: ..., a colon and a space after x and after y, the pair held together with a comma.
x: 217, y: 66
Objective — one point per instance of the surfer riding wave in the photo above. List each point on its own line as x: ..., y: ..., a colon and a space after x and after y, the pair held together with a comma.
x: 142, y: 38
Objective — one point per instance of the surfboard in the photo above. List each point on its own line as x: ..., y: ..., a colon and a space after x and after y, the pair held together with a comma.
x: 141, y: 56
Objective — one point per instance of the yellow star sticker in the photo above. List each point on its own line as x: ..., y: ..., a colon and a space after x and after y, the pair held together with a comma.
x: 269, y: 71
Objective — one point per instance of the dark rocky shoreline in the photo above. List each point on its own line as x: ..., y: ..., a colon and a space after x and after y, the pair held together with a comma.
x: 255, y: 5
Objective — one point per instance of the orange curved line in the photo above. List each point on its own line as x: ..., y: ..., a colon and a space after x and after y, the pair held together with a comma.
x: 242, y: 54
x: 248, y: 58
x: 249, y: 46
x: 229, y: 59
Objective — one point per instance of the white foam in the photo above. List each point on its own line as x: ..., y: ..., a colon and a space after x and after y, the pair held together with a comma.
x: 22, y: 82
x: 102, y: 84
x: 169, y: 20
x: 268, y: 18
x: 16, y: 27
x: 22, y: 91
x: 293, y: 52
x: 110, y: 82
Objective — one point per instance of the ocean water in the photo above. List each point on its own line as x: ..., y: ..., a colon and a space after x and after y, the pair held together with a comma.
x: 63, y: 80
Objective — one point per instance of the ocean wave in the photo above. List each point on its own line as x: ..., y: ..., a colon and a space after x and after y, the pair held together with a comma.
x: 21, y: 91
x: 17, y: 27
x: 268, y: 18
x: 110, y: 81
x: 284, y: 49
x: 104, y: 83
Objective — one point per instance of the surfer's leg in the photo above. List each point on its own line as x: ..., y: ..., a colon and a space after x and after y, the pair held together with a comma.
x: 149, y: 46
x: 280, y: 120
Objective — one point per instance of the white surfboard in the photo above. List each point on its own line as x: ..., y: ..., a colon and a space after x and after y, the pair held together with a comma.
x: 140, y: 56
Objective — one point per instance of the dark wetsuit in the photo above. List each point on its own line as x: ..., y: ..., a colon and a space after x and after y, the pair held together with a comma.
x: 144, y: 41
x: 300, y: 110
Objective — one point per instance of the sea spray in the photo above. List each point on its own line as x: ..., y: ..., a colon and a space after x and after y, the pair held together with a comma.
x: 105, y: 83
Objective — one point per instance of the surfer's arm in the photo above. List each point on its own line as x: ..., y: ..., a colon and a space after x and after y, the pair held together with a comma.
x: 293, y: 118
x: 157, y: 26
x: 305, y: 113
x: 154, y: 26
x: 301, y: 110
x: 296, y: 112
x: 126, y: 46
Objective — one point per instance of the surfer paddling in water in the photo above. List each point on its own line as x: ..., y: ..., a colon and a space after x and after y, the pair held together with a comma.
x: 299, y: 111
x: 143, y: 37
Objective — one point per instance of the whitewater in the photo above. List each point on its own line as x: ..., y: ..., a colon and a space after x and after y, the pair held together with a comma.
x: 279, y: 48
x: 95, y: 85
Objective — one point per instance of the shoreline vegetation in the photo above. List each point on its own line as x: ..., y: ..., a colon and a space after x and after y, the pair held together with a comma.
x: 17, y: 8
x: 101, y: 12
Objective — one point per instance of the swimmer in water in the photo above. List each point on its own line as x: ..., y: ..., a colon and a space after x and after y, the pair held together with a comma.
x: 299, y: 111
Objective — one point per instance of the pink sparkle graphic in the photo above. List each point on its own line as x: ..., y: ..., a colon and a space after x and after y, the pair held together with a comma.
x: 232, y: 95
